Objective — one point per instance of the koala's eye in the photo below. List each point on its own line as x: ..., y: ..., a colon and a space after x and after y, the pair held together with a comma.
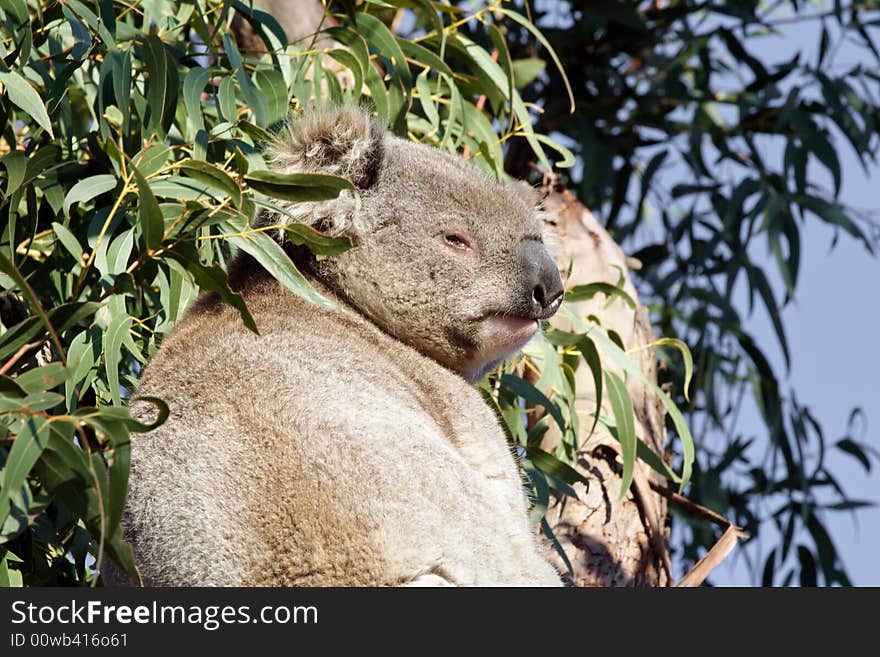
x: 457, y: 241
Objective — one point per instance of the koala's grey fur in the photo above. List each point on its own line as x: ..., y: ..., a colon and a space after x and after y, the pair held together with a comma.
x: 346, y: 446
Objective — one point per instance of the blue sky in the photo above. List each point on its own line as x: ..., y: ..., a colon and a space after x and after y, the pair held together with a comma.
x: 832, y: 330
x: 832, y: 327
x: 831, y: 324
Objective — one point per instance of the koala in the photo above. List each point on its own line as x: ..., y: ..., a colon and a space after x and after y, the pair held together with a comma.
x: 347, y: 446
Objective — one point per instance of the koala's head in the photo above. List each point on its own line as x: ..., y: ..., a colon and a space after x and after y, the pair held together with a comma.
x: 443, y: 258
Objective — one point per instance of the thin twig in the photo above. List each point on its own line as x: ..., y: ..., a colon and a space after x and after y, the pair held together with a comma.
x: 718, y: 552
x: 714, y: 556
x: 691, y: 506
x: 18, y: 354
x: 641, y: 485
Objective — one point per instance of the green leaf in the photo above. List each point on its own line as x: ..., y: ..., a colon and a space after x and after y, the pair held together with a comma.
x: 626, y: 363
x: 298, y: 187
x: 834, y: 215
x: 378, y: 35
x: 119, y: 460
x: 499, y: 80
x: 42, y: 378
x: 855, y: 450
x: 87, y: 189
x: 23, y: 96
x: 356, y: 47
x: 9, y: 577
x: 115, y: 335
x: 66, y: 472
x: 657, y: 464
x: 850, y: 505
x: 423, y: 56
x: 685, y: 356
x: 7, y: 267
x: 212, y: 175
x: 152, y: 159
x: 553, y: 466
x: 162, y: 413
x: 525, y: 71
x: 379, y: 95
x: 317, y: 242
x: 151, y: 224
x: 477, y: 123
x: 193, y: 86
x: 16, y: 166
x: 39, y: 401
x: 758, y: 280
x: 429, y: 107
x: 120, y: 65
x: 808, y: 567
x: 548, y: 532
x: 624, y: 419
x: 235, y: 60
x: 18, y: 10
x: 261, y: 21
x: 535, y: 32
x: 69, y: 240
x: 96, y: 24
x: 590, y: 354
x: 114, y: 260
x: 82, y: 355
x: 161, y: 87
x: 502, y: 52
x: 256, y: 102
x: 26, y: 449
x: 271, y: 256
x: 274, y: 89
x: 349, y: 61
x: 182, y: 188
x: 588, y: 291
x: 531, y: 394
x: 210, y: 278
x: 821, y: 147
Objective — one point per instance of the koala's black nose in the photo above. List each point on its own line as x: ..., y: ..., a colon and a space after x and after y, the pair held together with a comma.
x: 543, y: 284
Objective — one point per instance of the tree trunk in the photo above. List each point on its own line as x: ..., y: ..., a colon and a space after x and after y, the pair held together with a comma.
x: 300, y: 20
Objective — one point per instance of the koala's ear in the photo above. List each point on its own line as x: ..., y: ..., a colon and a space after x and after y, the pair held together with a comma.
x: 534, y: 198
x: 342, y: 141
x: 531, y: 196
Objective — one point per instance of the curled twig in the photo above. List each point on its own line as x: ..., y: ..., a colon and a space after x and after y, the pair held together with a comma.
x: 714, y: 556
x: 722, y: 547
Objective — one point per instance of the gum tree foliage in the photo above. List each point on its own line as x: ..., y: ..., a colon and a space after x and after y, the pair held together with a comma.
x: 131, y: 161
x: 706, y: 161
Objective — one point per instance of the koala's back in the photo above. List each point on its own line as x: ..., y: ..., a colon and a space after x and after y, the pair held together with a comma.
x: 321, y: 452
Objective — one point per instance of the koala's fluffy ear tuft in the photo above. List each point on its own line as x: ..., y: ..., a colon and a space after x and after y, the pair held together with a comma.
x: 343, y: 141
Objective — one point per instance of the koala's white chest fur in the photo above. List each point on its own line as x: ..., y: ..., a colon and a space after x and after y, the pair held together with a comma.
x: 321, y: 452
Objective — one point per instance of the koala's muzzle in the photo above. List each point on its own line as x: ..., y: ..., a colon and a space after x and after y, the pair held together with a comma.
x: 541, y: 293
